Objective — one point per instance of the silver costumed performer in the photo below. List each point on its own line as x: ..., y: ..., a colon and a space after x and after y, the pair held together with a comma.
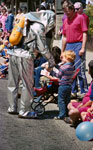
x: 21, y: 60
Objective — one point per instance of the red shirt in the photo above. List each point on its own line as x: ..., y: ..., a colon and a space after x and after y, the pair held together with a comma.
x: 73, y: 29
x: 86, y: 18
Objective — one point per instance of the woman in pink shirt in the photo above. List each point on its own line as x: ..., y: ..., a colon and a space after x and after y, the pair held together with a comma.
x: 78, y: 110
x: 3, y: 18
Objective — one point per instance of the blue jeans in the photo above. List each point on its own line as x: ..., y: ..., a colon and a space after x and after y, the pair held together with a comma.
x: 37, y: 72
x: 81, y: 75
x: 64, y: 92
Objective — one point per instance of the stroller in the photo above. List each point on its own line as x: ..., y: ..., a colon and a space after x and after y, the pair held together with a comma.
x: 43, y: 93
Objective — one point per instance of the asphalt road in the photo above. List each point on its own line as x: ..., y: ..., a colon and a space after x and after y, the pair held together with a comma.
x: 44, y: 133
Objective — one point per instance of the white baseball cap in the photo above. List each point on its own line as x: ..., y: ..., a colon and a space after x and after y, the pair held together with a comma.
x: 44, y: 4
x: 78, y: 5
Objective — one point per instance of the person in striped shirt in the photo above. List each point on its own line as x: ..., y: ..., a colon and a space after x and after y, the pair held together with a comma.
x: 65, y: 74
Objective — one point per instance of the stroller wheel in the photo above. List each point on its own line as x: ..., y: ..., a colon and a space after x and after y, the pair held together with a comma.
x: 34, y: 104
x: 40, y: 109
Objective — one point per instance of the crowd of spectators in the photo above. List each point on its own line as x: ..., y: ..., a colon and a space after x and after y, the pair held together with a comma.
x: 7, y: 22
x: 6, y: 26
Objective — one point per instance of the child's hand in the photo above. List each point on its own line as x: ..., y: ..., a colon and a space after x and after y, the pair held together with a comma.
x: 46, y: 73
x: 59, y: 32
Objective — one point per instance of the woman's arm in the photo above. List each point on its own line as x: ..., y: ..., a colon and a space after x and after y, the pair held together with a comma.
x: 87, y: 104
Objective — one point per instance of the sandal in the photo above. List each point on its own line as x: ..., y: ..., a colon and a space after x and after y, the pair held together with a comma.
x: 68, y: 120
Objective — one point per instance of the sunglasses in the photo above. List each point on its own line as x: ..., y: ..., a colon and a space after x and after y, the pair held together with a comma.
x: 77, y: 8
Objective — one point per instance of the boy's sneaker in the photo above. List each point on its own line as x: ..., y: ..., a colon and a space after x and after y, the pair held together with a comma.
x: 66, y: 119
x: 59, y: 118
x: 73, y: 95
x: 28, y: 115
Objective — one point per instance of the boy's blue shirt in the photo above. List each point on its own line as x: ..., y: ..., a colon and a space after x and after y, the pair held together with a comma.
x: 68, y: 63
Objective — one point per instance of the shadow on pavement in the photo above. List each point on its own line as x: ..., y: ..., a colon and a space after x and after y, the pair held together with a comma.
x: 49, y: 114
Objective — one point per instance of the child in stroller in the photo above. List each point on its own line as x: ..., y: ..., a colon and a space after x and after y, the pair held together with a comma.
x: 48, y: 87
x: 43, y: 93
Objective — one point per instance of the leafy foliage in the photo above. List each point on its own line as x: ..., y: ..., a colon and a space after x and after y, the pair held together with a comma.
x: 89, y: 12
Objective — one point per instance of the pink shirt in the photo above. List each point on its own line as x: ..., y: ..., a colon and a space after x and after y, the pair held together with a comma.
x: 87, y: 96
x: 73, y: 29
x: 2, y: 20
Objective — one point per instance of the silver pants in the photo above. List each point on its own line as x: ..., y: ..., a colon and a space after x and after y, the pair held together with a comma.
x: 20, y: 68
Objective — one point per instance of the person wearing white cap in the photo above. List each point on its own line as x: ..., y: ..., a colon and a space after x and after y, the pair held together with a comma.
x: 44, y: 5
x: 79, y: 9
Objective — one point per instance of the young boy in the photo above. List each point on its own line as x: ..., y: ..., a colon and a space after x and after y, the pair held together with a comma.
x: 64, y: 76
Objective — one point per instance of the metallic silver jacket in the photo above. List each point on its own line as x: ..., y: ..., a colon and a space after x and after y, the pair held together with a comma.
x: 40, y: 23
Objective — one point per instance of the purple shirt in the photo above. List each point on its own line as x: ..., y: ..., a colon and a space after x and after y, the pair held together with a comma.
x: 65, y: 74
x: 63, y: 18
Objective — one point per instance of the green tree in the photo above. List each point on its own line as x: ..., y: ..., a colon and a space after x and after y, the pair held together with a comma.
x: 89, y: 12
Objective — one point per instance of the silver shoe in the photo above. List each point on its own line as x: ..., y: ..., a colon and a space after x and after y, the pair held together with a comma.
x: 12, y: 111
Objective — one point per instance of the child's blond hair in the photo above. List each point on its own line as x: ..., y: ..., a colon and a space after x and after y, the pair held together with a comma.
x: 69, y: 55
